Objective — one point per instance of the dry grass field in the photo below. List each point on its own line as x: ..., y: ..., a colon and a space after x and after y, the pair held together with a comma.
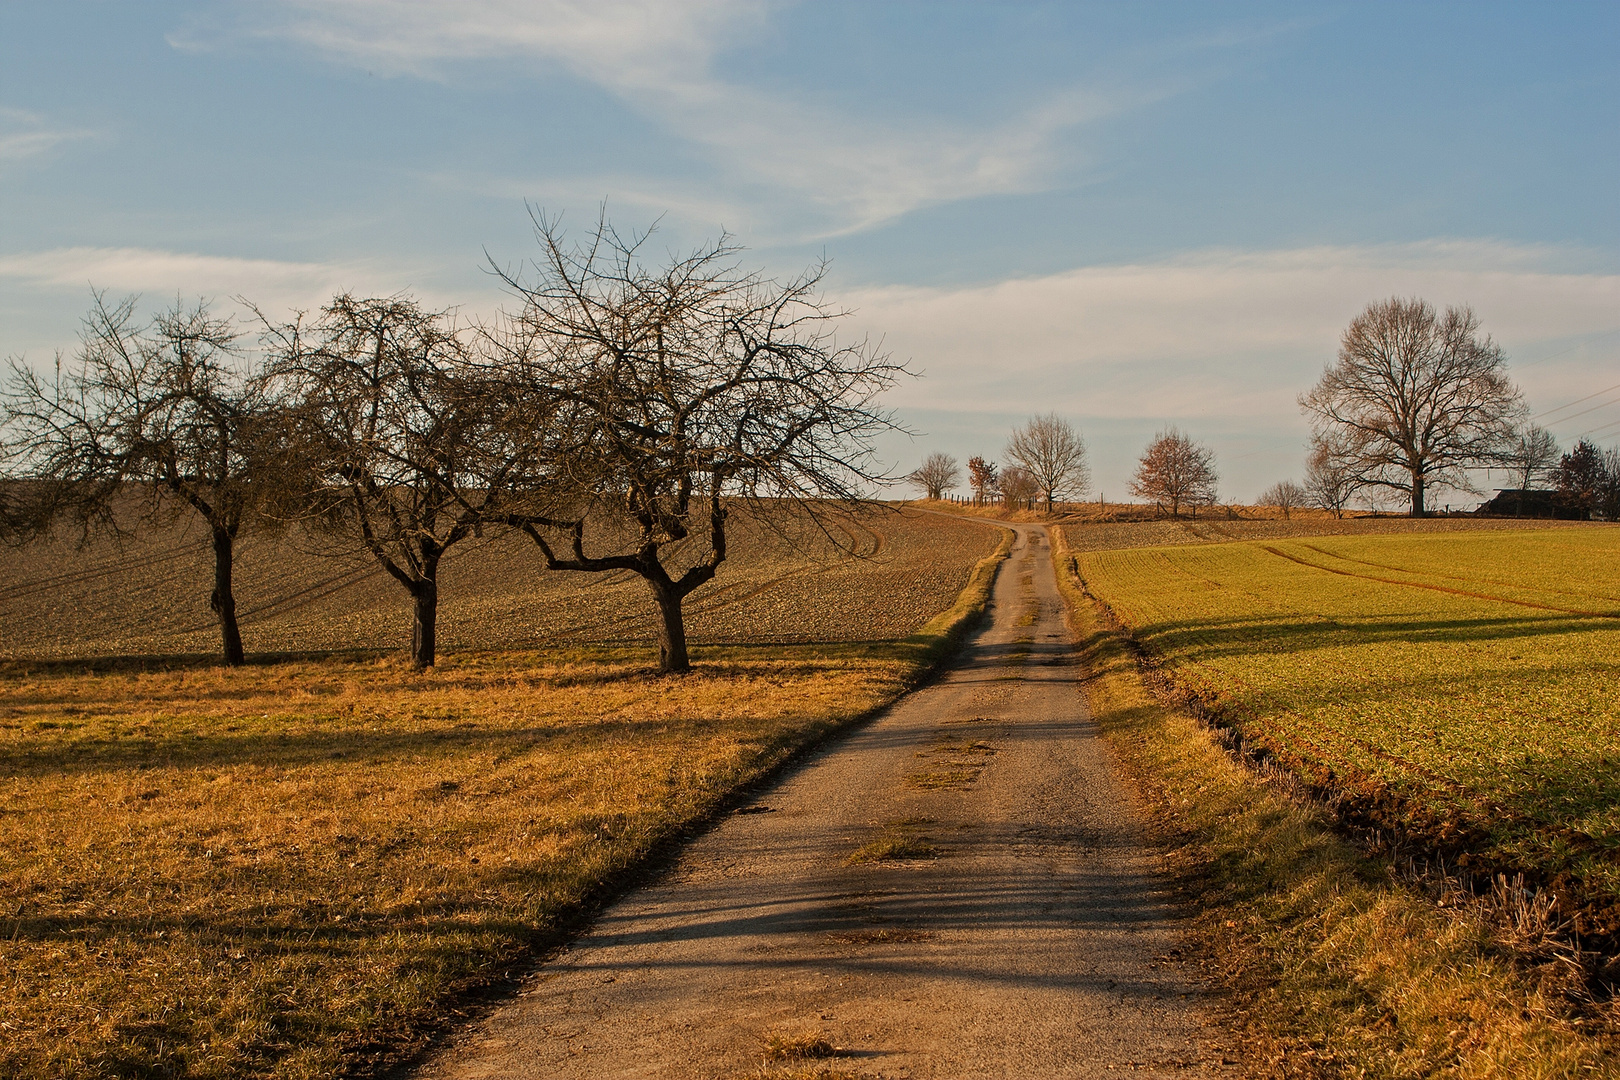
x: 291, y: 869
x: 1456, y: 688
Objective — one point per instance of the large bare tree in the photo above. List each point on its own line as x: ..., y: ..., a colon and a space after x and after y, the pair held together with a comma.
x: 161, y: 416
x: 678, y: 391
x: 396, y: 428
x: 1419, y: 397
x: 936, y: 475
x: 1054, y: 454
x: 1177, y: 472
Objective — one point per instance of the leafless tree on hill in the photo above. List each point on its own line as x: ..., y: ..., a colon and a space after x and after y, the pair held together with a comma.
x: 1052, y: 452
x: 1532, y: 456
x: 162, y: 411
x: 1330, y: 481
x: 1177, y: 472
x: 982, y: 479
x: 1018, y: 487
x: 678, y: 391
x: 1419, y: 398
x: 1285, y: 496
x: 396, y: 428
x: 936, y: 475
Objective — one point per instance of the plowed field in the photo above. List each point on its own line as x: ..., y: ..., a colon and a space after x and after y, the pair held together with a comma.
x: 1462, y: 688
x: 785, y: 583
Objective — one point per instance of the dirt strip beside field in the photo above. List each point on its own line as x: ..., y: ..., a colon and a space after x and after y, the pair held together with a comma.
x: 960, y: 888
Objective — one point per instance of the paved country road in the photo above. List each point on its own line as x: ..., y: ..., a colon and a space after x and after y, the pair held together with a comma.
x: 1017, y: 927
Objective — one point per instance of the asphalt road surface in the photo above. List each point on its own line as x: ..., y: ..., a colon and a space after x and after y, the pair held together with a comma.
x: 958, y: 889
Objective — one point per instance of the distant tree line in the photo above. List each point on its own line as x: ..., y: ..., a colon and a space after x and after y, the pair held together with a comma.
x: 1046, y: 462
x: 616, y: 418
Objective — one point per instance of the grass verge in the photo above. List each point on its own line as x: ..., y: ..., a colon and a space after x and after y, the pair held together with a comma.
x: 297, y: 868
x: 1330, y: 965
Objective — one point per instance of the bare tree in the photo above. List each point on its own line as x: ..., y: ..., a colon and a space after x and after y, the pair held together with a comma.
x: 1329, y: 479
x: 1176, y: 471
x: 936, y: 475
x: 1053, y: 453
x: 981, y: 478
x: 1018, y: 487
x: 162, y: 412
x: 679, y: 391
x: 1421, y: 397
x: 1285, y: 496
x: 390, y: 414
x: 1532, y: 456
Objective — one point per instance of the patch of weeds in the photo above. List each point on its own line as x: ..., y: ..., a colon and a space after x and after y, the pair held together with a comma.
x: 978, y: 746
x: 898, y: 840
x: 797, y: 1046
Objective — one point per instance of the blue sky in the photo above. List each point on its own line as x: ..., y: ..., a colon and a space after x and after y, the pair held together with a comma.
x: 1133, y: 214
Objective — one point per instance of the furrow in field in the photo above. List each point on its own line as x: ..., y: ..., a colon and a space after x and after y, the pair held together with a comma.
x: 1456, y: 714
x: 1439, y: 588
x: 1584, y: 593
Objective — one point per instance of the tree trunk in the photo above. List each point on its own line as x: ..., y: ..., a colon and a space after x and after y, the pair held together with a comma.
x: 223, y: 600
x: 672, y: 658
x: 425, y: 621
x: 1417, y: 494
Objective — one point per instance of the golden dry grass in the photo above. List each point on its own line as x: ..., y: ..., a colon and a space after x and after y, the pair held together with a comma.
x: 1330, y: 965
x: 293, y: 868
x: 208, y: 873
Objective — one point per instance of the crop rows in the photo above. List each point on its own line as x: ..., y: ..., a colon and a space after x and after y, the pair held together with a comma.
x: 1458, y: 687
x: 874, y: 576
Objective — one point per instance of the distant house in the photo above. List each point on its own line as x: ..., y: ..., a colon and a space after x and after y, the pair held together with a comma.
x: 1532, y: 503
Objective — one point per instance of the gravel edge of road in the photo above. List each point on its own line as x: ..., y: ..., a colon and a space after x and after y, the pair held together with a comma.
x: 938, y: 640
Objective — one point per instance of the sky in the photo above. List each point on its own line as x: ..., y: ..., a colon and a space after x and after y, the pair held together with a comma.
x: 1135, y: 215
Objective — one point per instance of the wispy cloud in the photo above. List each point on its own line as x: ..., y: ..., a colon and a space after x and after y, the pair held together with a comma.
x: 24, y: 134
x: 843, y: 172
x: 1215, y: 333
x: 274, y: 285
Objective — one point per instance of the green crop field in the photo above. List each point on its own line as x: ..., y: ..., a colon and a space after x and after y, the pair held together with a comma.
x: 1461, y: 689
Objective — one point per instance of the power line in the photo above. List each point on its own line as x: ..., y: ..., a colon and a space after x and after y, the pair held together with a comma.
x: 1577, y: 401
x: 1583, y: 412
x: 1572, y: 348
x: 1597, y: 430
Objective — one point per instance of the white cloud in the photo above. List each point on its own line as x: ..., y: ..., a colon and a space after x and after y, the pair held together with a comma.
x: 839, y: 173
x: 157, y: 273
x: 1219, y: 342
x: 1219, y: 335
x: 24, y: 134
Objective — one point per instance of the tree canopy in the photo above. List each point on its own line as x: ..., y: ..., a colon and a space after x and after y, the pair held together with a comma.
x: 675, y: 390
x: 1174, y: 471
x: 1415, y: 400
